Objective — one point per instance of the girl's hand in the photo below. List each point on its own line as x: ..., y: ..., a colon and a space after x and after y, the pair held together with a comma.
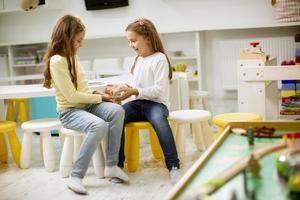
x: 105, y: 96
x: 124, y: 93
x: 112, y: 89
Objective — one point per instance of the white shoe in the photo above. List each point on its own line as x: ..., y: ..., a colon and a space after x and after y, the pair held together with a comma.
x: 75, y: 184
x: 175, y: 175
x: 115, y: 172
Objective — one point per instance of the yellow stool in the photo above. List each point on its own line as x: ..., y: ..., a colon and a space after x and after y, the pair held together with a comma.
x: 23, y: 109
x: 9, y: 128
x: 132, y: 144
x: 223, y: 119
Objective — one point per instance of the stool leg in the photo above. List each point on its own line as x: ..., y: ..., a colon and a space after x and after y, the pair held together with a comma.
x: 77, y: 143
x: 155, y: 145
x: 41, y: 146
x: 174, y: 128
x: 48, y: 151
x: 26, y: 150
x: 208, y: 135
x: 23, y: 111
x: 66, y: 156
x: 15, y: 146
x: 132, y: 148
x: 61, y: 137
x: 198, y: 136
x: 180, y: 141
x: 10, y: 114
x: 104, y: 147
x: 3, y: 149
x: 98, y: 162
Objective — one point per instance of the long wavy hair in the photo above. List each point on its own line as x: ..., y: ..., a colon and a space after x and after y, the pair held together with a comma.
x: 146, y: 29
x: 62, y: 43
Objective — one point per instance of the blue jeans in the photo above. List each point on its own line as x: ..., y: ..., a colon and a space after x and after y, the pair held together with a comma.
x: 96, y: 121
x: 156, y: 114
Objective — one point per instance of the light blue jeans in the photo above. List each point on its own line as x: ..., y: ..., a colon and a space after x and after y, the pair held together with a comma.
x: 96, y: 121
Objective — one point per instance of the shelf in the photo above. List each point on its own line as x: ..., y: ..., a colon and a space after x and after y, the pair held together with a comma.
x: 183, y: 58
x: 21, y: 78
x: 29, y: 65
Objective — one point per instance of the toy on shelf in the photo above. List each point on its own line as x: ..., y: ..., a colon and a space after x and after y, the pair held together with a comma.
x: 254, y: 52
x: 297, y: 49
x: 290, y: 89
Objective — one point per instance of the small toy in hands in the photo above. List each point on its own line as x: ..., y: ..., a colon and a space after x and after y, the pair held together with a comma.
x: 114, y: 89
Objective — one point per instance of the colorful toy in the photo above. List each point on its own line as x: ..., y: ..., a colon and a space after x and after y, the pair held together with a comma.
x: 288, y: 167
x: 254, y: 52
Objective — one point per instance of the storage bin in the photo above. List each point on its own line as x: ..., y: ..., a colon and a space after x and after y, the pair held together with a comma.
x: 287, y: 11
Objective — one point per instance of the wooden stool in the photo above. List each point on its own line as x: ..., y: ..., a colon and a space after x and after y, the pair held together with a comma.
x: 202, y: 134
x: 23, y: 110
x: 132, y: 144
x: 44, y: 127
x: 223, y: 119
x: 198, y: 100
x: 72, y: 143
x: 9, y: 128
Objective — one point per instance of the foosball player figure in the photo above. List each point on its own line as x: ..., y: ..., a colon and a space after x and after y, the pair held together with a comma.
x: 250, y: 136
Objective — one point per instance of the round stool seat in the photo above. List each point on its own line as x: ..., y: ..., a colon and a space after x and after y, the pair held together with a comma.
x: 41, y: 124
x: 7, y: 125
x: 139, y: 125
x: 71, y: 132
x: 197, y: 93
x: 223, y: 119
x: 190, y: 115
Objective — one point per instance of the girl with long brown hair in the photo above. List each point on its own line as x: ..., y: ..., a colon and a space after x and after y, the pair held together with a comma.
x: 79, y: 108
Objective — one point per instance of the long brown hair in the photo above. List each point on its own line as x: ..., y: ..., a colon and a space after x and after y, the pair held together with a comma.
x: 62, y: 43
x: 146, y: 29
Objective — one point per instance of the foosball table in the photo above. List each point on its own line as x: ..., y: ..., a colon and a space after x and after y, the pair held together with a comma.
x: 249, y: 160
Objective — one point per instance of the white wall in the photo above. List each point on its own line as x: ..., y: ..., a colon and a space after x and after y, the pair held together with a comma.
x: 168, y: 15
x: 223, y: 50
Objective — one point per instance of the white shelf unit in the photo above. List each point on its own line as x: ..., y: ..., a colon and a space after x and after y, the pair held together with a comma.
x: 25, y: 62
x: 189, y: 46
x: 254, y: 93
x: 10, y: 6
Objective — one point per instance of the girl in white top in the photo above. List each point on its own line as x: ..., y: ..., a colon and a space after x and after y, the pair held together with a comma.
x: 152, y: 73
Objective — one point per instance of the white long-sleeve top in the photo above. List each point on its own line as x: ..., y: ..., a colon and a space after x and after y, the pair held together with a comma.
x: 151, y: 78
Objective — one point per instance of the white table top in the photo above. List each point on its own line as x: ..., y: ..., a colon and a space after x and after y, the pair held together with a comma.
x: 37, y: 90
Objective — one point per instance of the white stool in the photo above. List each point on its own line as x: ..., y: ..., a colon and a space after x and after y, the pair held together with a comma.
x: 43, y: 126
x: 198, y: 99
x: 202, y: 134
x: 73, y: 140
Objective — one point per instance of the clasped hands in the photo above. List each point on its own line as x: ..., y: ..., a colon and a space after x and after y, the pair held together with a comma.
x: 117, y: 93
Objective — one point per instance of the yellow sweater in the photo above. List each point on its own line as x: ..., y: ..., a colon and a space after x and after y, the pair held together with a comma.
x: 66, y: 94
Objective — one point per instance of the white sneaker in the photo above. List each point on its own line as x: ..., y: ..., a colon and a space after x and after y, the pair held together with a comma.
x: 75, y: 184
x: 115, y: 172
x: 175, y: 175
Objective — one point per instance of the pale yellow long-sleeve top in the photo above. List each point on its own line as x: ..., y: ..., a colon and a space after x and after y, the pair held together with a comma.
x: 67, y: 96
